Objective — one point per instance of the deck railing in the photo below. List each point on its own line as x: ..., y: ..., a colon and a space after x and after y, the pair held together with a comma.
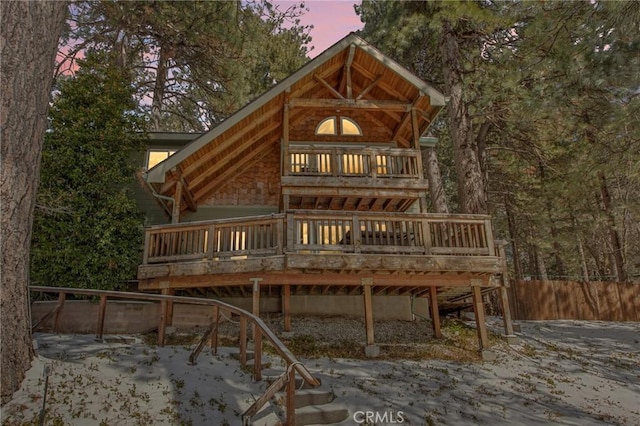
x: 217, y: 239
x: 321, y: 232
x: 350, y: 162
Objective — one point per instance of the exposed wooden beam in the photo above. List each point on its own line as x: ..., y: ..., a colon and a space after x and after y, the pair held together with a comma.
x: 379, y: 105
x: 305, y: 88
x: 382, y: 85
x: 352, y: 51
x: 406, y: 119
x: 236, y: 151
x: 333, y: 91
x: 369, y: 87
x: 188, y: 196
x: 223, y: 178
x: 227, y: 143
x: 177, y: 196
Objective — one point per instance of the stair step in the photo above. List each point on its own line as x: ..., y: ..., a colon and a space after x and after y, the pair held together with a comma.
x: 306, y: 397
x: 311, y: 415
x: 321, y: 415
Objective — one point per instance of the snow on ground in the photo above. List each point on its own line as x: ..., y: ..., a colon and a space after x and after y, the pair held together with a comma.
x: 561, y: 372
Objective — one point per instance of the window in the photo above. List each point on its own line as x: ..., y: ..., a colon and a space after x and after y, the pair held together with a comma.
x: 347, y: 127
x: 350, y: 127
x: 155, y: 156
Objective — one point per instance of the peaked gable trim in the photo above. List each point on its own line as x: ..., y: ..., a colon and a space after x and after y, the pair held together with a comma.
x: 158, y: 173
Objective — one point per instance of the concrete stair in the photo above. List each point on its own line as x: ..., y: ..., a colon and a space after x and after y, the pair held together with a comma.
x: 314, y: 406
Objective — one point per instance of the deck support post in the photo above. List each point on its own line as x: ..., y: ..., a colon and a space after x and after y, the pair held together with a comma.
x: 371, y: 350
x: 169, y: 292
x: 257, y: 335
x: 214, y: 338
x: 162, y: 324
x: 57, y: 322
x: 286, y: 307
x: 504, y: 296
x: 435, y: 312
x: 478, y: 308
x: 243, y: 340
x: 101, y: 313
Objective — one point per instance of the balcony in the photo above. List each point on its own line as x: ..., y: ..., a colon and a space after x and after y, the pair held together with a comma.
x: 364, y: 179
x: 321, y: 248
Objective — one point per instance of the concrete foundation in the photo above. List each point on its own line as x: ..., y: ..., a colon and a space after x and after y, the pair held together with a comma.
x: 372, y: 351
x: 512, y: 339
x: 81, y: 316
x: 488, y: 355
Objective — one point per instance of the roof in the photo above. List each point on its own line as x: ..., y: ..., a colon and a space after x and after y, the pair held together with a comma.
x: 349, y: 74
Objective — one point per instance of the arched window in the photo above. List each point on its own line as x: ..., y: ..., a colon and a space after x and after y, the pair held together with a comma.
x: 350, y: 127
x: 347, y: 127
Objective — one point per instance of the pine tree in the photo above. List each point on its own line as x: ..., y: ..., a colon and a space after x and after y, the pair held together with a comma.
x: 87, y: 230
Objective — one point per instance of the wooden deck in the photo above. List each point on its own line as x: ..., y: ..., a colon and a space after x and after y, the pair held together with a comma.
x: 323, y: 253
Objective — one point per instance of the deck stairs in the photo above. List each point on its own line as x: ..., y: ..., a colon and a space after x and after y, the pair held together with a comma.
x: 314, y: 405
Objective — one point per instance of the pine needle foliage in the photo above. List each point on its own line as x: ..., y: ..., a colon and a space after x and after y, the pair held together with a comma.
x: 88, y: 230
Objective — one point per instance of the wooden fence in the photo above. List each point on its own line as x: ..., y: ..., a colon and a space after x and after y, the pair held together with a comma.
x: 547, y: 300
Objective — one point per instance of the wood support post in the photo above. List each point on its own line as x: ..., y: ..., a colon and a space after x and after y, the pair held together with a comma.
x: 478, y: 308
x: 256, y: 296
x: 102, y: 310
x: 169, y: 292
x: 291, y: 397
x: 57, y: 321
x: 435, y: 312
x: 243, y: 340
x: 177, y: 197
x: 504, y: 294
x: 257, y: 353
x: 368, y: 309
x: 286, y: 306
x: 506, y: 311
x: 162, y: 324
x: 214, y: 338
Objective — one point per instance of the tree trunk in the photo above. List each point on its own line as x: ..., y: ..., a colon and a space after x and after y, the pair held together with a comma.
x: 471, y: 184
x: 618, y: 260
x: 30, y: 33
x: 517, y: 268
x: 436, y: 189
x: 159, y: 89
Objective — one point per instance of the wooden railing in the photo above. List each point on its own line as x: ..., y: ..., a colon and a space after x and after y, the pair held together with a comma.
x: 321, y: 232
x: 260, y: 330
x: 350, y: 162
x: 218, y: 239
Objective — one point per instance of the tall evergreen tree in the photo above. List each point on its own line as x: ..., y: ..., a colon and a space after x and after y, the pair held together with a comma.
x: 87, y: 230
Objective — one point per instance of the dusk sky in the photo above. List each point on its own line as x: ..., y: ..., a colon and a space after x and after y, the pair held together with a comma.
x: 331, y: 20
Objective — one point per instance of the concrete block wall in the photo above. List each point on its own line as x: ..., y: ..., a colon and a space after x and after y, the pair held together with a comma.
x: 133, y: 317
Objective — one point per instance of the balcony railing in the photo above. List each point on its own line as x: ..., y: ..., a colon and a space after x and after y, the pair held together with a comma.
x: 350, y: 162
x: 321, y: 232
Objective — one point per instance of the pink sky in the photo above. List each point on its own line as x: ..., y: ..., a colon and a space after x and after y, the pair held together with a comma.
x: 331, y: 20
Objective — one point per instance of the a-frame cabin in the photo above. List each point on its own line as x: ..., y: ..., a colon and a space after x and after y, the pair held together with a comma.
x: 317, y: 187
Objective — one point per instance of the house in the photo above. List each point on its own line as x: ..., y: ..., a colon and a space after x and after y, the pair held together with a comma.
x: 316, y: 190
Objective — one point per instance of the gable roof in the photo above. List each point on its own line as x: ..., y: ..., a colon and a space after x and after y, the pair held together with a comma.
x: 371, y: 81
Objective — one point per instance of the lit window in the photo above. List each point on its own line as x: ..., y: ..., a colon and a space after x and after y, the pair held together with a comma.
x: 157, y: 155
x: 348, y: 127
x: 327, y: 127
